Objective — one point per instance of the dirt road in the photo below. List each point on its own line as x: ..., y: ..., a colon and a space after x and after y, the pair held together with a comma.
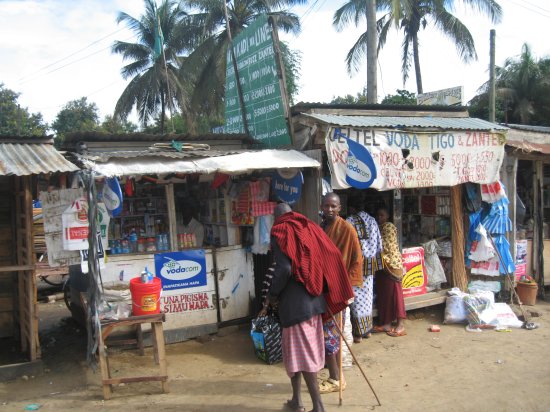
x: 453, y: 370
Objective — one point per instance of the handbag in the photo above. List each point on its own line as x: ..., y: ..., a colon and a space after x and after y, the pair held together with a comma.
x: 266, y: 336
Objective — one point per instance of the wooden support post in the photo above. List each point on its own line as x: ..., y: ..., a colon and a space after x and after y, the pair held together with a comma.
x: 458, y: 276
x: 160, y: 350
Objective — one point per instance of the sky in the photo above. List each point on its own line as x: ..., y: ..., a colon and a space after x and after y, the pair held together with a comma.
x: 55, y: 51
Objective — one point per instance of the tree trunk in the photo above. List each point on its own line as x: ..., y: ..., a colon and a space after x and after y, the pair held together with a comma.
x: 416, y: 57
x: 162, y: 111
x: 372, y: 54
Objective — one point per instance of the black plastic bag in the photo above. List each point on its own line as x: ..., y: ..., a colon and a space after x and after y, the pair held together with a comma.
x: 266, y: 335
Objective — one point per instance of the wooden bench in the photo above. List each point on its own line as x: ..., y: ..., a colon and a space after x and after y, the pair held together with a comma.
x: 159, y: 351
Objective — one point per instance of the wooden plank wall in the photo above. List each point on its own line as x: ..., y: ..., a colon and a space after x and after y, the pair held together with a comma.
x: 28, y: 310
x: 8, y: 291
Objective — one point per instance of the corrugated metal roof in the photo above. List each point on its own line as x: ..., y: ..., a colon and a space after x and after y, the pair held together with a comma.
x: 409, y: 122
x: 530, y: 128
x: 103, y: 157
x: 72, y: 139
x: 234, y: 163
x: 304, y: 107
x: 22, y: 159
x: 527, y: 147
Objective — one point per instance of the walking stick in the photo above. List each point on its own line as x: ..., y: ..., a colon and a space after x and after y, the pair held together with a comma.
x: 340, y: 373
x: 354, y: 358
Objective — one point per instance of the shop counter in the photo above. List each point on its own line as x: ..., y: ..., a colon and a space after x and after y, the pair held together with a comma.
x: 226, y: 293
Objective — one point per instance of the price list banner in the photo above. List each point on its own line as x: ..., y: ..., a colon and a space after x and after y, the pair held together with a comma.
x: 409, y: 160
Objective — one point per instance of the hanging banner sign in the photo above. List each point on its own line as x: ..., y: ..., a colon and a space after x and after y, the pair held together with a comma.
x: 180, y: 270
x: 75, y: 225
x: 402, y: 160
x: 112, y: 196
x: 287, y: 185
x: 266, y: 109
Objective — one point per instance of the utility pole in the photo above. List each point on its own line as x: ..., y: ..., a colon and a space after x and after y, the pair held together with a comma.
x: 372, y: 53
x: 492, y: 85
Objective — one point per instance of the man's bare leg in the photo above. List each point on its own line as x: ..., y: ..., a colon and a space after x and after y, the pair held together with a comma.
x: 313, y: 388
x: 296, y: 401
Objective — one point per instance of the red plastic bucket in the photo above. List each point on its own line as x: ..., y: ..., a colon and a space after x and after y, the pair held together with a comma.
x: 145, y: 296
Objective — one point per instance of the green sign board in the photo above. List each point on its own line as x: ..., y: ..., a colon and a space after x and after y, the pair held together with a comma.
x: 261, y: 88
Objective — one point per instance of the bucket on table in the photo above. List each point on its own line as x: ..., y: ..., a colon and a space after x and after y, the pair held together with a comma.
x: 145, y: 296
x: 527, y: 293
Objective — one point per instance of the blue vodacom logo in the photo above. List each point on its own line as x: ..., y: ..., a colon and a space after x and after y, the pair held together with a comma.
x: 180, y: 269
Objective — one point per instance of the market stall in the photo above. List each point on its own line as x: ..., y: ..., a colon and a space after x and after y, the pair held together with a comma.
x: 413, y: 160
x: 526, y: 172
x: 21, y: 159
x: 193, y: 212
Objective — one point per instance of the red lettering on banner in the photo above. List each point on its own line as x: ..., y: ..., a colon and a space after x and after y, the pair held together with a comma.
x: 185, y: 303
x: 340, y: 156
x: 78, y: 233
x: 474, y: 139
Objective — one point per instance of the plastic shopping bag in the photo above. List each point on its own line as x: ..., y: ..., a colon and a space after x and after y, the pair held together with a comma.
x: 266, y: 335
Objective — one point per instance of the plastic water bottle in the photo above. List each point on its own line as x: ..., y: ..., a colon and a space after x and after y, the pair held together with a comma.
x: 149, y: 274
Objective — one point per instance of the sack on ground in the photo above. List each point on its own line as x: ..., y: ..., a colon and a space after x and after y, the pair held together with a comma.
x: 455, y: 311
x: 481, y: 311
x: 267, y: 338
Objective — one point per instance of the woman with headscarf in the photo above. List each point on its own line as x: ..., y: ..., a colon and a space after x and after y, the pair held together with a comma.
x: 389, y: 292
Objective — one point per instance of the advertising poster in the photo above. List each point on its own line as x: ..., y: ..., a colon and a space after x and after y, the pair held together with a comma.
x: 521, y: 258
x: 180, y: 270
x: 415, y: 278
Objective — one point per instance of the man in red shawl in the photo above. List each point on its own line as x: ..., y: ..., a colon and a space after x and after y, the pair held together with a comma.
x: 309, y: 280
x: 344, y: 236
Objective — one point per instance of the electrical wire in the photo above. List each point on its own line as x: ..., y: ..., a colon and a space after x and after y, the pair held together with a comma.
x: 541, y: 12
x: 71, y: 63
x: 70, y: 55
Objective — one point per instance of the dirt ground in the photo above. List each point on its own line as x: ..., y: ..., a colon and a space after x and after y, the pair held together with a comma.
x: 453, y: 370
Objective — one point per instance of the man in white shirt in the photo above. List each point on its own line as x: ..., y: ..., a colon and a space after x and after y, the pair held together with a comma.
x: 190, y: 225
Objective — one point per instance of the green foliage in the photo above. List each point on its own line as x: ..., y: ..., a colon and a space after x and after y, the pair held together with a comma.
x: 402, y: 97
x: 204, y: 68
x: 412, y: 16
x: 76, y: 116
x: 522, y: 91
x: 179, y: 124
x: 291, y: 62
x: 16, y: 120
x: 360, y: 98
x: 153, y: 69
x: 479, y: 108
x: 111, y: 125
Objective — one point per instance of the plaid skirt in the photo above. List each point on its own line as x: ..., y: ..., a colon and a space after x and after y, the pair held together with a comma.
x: 303, y: 347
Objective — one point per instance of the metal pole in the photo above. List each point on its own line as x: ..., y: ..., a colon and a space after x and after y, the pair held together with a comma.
x: 232, y: 50
x: 492, y: 84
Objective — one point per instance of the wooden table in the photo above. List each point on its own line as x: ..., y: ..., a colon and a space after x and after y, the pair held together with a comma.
x: 159, y: 352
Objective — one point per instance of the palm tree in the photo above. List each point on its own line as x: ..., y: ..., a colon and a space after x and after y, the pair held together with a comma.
x: 205, y: 65
x: 411, y: 16
x: 154, y: 70
x: 523, y: 82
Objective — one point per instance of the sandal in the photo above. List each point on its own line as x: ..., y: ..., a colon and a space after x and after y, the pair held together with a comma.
x: 330, y: 385
x: 357, y: 339
x: 292, y: 406
x: 380, y: 329
x: 396, y: 334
